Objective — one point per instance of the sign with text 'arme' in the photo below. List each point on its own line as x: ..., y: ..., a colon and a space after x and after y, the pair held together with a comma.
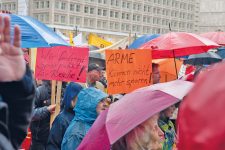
x: 128, y: 70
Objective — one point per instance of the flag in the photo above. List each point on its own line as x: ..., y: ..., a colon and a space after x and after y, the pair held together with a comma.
x: 78, y: 40
x: 97, y: 41
x: 71, y: 39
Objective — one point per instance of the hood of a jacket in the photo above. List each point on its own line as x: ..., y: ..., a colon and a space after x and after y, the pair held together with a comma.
x: 71, y: 92
x: 88, y: 99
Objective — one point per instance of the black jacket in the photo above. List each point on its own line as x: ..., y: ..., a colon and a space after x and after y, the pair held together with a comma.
x: 16, y: 103
x: 59, y: 126
x: 40, y: 125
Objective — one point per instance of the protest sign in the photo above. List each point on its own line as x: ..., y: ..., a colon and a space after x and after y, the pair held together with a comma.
x: 128, y: 70
x: 62, y: 63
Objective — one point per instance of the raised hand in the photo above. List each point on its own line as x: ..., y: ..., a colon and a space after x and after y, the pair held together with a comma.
x: 12, y: 64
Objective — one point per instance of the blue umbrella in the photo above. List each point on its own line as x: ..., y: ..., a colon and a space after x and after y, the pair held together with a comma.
x: 221, y: 52
x: 34, y: 33
x: 142, y: 40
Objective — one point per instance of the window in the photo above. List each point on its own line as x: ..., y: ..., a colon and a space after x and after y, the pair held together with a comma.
x: 99, y: 1
x: 111, y: 25
x: 104, y: 12
x: 116, y: 25
x: 144, y: 19
x: 124, y: 4
x: 123, y: 15
x: 63, y: 19
x: 127, y: 27
x: 42, y: 4
x: 117, y: 2
x: 56, y: 18
x: 72, y: 7
x: 71, y: 20
x: 86, y: 9
x: 85, y: 22
x: 92, y: 10
x: 36, y: 5
x: 128, y: 5
x: 63, y: 6
x: 47, y: 18
x: 105, y: 1
x: 99, y: 12
x: 111, y: 13
x: 112, y: 2
x: 138, y: 18
x: 78, y: 20
x: 123, y: 27
x: 116, y: 14
x: 134, y: 6
x: 92, y: 22
x: 139, y: 6
x: 47, y: 4
x: 14, y: 6
x: 128, y: 17
x: 104, y: 24
x: 149, y: 20
x: 99, y: 24
x: 78, y: 8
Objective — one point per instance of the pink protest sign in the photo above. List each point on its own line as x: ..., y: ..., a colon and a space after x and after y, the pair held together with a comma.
x: 62, y: 63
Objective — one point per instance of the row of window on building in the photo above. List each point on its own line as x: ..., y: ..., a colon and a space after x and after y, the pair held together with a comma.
x: 8, y: 6
x: 124, y: 4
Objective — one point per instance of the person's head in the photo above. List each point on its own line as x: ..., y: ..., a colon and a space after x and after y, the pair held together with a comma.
x: 102, y: 105
x: 168, y: 113
x: 155, y: 73
x: 147, y: 135
x: 87, y: 103
x: 94, y: 73
x: 70, y: 95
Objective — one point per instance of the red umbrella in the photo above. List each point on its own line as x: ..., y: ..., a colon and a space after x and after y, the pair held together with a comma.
x: 217, y: 37
x: 175, y: 44
x: 201, y: 122
x: 130, y: 111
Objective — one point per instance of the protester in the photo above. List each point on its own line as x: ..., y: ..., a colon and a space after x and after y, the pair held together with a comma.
x: 63, y: 120
x: 16, y: 89
x: 40, y: 125
x: 146, y: 136
x: 155, y: 73
x: 90, y: 103
x: 167, y: 127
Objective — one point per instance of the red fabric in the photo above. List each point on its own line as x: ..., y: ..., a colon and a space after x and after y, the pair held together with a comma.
x: 201, y: 124
x: 218, y: 37
x: 178, y: 44
x: 27, y: 141
x: 189, y: 69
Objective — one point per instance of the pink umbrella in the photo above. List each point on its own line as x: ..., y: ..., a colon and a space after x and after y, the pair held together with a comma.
x: 217, y: 37
x: 130, y: 111
x: 176, y: 44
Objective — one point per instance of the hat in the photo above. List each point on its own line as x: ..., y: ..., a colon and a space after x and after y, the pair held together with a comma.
x: 94, y: 67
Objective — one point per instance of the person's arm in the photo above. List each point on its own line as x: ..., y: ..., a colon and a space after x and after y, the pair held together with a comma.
x: 19, y: 96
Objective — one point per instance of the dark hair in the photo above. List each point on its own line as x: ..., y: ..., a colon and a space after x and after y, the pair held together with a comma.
x: 154, y: 65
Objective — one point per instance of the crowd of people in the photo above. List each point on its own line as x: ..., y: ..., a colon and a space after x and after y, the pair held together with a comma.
x: 25, y: 104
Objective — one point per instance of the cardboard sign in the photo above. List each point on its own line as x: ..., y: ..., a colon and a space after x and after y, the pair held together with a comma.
x: 128, y: 70
x: 62, y: 63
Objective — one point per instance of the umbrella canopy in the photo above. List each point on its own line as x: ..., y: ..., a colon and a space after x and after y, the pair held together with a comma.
x: 203, y: 59
x: 201, y: 123
x: 130, y: 111
x: 175, y: 44
x: 221, y: 52
x: 142, y: 40
x: 217, y: 37
x: 34, y: 33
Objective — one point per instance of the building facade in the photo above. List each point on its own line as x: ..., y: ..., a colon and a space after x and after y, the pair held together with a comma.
x: 212, y: 14
x: 114, y: 17
x: 118, y: 17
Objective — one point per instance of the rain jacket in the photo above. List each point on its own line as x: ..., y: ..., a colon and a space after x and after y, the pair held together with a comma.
x: 63, y: 120
x: 85, y: 115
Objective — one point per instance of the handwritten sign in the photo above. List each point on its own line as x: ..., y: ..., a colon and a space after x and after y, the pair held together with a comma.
x: 62, y: 63
x: 128, y: 70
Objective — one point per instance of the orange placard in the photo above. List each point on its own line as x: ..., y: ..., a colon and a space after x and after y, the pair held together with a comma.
x: 128, y: 70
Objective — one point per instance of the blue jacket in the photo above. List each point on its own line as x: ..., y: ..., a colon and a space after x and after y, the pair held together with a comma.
x: 63, y: 120
x: 85, y: 115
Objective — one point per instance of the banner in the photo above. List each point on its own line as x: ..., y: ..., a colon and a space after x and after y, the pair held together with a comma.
x: 128, y: 70
x: 94, y: 40
x: 62, y: 63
